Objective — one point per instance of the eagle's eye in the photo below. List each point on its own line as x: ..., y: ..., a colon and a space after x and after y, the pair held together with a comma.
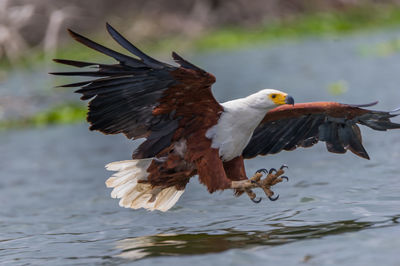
x: 273, y: 96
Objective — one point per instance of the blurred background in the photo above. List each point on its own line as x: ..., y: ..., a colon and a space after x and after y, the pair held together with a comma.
x: 336, y: 209
x: 32, y: 33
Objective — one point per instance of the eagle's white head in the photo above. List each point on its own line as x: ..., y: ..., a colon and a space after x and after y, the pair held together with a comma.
x: 268, y: 99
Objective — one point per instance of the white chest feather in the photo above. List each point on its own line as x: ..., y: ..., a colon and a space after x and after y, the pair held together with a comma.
x: 235, y: 128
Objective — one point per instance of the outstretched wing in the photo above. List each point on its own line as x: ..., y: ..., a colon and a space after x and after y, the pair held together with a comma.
x: 303, y: 125
x: 142, y: 97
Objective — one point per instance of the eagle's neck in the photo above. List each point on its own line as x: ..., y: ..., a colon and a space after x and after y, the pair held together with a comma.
x: 235, y: 127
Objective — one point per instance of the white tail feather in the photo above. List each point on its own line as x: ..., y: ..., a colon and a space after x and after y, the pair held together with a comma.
x: 134, y: 194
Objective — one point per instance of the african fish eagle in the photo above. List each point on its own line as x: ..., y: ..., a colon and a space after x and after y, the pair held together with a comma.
x: 188, y: 132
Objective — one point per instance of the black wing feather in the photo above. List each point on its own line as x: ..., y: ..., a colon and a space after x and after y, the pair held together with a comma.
x: 149, y: 61
x: 177, y: 58
x: 124, y: 59
x: 124, y: 95
x: 340, y: 134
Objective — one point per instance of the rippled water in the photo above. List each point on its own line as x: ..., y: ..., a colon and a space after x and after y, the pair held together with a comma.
x: 336, y: 209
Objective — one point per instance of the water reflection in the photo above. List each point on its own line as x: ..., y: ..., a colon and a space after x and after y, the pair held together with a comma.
x: 202, y: 243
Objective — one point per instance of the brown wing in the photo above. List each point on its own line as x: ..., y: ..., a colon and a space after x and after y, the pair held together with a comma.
x: 142, y: 97
x: 303, y: 125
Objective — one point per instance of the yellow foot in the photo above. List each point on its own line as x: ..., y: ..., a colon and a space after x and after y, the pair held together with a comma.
x: 273, y: 177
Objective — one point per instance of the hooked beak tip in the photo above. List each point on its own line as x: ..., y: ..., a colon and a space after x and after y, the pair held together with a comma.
x: 289, y: 100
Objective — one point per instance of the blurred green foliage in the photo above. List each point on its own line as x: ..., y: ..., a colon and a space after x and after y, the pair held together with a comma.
x: 338, y: 88
x: 61, y: 114
x: 385, y: 48
x: 320, y: 24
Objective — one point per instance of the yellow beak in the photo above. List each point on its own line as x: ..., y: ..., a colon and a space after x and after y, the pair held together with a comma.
x: 282, y: 98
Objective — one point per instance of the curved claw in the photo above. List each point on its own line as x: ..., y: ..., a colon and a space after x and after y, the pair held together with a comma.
x: 255, y: 200
x: 273, y: 199
x: 285, y: 177
x: 271, y: 170
x: 262, y: 170
x: 284, y: 166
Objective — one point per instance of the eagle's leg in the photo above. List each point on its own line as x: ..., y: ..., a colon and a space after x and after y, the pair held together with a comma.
x: 247, y: 184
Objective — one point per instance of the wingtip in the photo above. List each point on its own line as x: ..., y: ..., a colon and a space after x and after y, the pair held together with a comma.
x: 109, y: 28
x: 75, y: 35
x: 113, y: 32
x: 59, y: 86
x: 59, y: 61
x: 183, y: 63
x: 393, y: 112
x: 365, y: 105
x: 57, y: 73
x: 176, y: 57
x: 360, y: 152
x: 71, y: 32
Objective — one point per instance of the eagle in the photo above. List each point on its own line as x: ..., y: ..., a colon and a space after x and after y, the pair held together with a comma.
x: 188, y: 132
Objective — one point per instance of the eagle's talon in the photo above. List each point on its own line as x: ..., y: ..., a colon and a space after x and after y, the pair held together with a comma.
x: 252, y: 196
x: 255, y: 200
x: 262, y: 170
x: 284, y: 166
x: 271, y: 171
x: 285, y: 177
x: 273, y: 199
